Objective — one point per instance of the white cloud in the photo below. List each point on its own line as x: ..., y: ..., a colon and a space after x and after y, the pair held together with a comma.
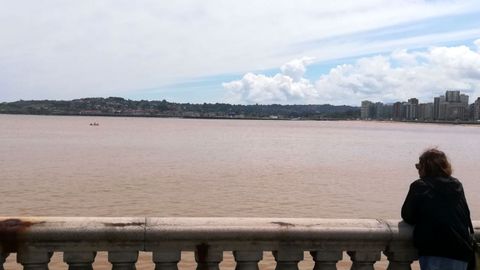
x: 296, y: 68
x: 395, y: 77
x: 280, y: 88
x: 403, y: 57
x: 65, y: 49
x: 477, y: 43
x: 288, y: 86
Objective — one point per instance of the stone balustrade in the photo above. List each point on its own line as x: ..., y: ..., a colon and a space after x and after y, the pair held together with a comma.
x: 35, y: 239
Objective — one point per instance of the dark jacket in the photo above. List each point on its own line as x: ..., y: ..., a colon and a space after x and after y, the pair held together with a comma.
x: 438, y: 209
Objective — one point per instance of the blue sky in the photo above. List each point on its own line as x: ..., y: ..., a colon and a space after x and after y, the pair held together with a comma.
x: 288, y: 52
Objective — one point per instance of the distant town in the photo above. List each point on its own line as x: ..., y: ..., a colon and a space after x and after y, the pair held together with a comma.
x: 451, y: 107
x: 117, y: 106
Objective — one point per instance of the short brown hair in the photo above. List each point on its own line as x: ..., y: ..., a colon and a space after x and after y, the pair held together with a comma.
x: 434, y: 162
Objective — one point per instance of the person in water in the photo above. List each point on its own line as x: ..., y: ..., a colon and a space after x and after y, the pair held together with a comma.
x: 437, y: 208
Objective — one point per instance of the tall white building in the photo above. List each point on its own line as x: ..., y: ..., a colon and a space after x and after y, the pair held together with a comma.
x: 476, y: 110
x: 452, y: 106
x: 425, y: 111
x: 366, y: 111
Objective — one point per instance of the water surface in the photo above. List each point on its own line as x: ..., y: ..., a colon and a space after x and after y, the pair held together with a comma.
x: 62, y: 166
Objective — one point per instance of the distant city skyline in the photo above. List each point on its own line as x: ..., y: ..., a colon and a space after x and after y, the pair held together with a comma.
x: 452, y: 106
x: 245, y: 52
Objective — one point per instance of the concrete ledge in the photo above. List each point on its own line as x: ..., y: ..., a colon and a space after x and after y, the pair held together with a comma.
x: 188, y: 234
x: 71, y: 233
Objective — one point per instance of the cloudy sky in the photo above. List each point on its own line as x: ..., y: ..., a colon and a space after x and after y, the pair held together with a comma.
x: 249, y: 51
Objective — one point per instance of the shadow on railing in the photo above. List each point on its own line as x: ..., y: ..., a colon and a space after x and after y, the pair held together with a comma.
x: 35, y: 239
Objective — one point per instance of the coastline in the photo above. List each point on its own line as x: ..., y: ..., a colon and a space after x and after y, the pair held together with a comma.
x: 191, y: 117
x: 470, y: 123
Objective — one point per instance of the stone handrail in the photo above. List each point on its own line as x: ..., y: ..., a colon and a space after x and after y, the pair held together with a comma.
x: 34, y: 239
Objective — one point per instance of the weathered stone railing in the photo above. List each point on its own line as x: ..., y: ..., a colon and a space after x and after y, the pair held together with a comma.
x: 35, y: 239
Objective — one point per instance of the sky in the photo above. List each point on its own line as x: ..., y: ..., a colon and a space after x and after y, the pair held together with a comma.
x: 241, y: 52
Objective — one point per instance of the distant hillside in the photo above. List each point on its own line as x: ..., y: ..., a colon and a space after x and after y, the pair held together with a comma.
x: 116, y: 106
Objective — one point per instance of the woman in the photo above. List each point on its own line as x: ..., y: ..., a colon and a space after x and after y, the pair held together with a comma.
x: 437, y: 207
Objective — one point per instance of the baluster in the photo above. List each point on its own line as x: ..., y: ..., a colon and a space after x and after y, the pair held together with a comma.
x: 401, y: 259
x: 3, y: 257
x: 79, y: 260
x: 208, y: 259
x: 247, y: 260
x: 364, y: 260
x: 400, y: 251
x: 166, y: 260
x: 123, y: 260
x: 326, y: 260
x: 287, y: 259
x: 34, y: 260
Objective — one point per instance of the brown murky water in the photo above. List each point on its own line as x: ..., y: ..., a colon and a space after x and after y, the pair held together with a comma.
x: 62, y: 166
